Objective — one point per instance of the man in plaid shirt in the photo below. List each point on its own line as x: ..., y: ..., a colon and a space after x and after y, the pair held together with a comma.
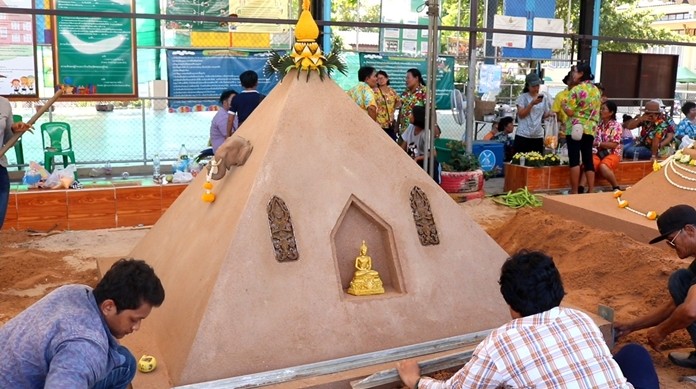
x: 545, y: 345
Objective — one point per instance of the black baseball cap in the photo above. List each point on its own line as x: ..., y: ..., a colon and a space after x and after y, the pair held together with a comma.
x: 673, y: 220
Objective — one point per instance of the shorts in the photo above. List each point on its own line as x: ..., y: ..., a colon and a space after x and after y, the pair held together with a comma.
x: 612, y: 161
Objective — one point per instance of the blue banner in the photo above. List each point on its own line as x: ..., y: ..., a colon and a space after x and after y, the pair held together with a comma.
x: 207, y: 73
x: 529, y: 9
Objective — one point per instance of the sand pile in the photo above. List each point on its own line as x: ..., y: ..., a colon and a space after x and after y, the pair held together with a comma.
x: 598, y: 267
x: 601, y: 267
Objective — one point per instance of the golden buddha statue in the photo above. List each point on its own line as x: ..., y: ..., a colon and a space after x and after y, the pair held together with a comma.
x: 365, y: 280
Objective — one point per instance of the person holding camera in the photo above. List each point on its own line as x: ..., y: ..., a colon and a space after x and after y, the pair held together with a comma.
x: 606, y: 150
x: 532, y: 109
x: 657, y: 132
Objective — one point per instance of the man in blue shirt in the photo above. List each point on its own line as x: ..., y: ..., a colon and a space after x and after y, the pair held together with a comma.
x: 246, y: 102
x: 68, y: 338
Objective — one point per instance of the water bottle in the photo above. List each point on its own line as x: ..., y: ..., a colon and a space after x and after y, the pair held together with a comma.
x: 635, y: 154
x: 107, y: 168
x: 522, y: 160
x: 155, y: 166
x: 183, y: 152
x: 183, y: 159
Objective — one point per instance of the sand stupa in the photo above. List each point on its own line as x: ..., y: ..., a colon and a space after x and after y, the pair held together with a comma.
x: 672, y: 182
x: 258, y: 279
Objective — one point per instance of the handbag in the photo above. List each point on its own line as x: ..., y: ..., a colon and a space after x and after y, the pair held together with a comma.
x: 394, y: 126
x: 576, y: 132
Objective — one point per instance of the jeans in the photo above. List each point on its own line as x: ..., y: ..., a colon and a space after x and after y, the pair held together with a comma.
x: 4, y: 193
x: 121, y: 376
x: 679, y: 283
x: 644, y: 153
x: 636, y: 365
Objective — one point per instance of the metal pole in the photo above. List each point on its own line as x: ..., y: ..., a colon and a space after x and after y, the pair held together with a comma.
x: 433, y: 51
x: 357, y: 30
x: 459, y: 24
x: 327, y: 29
x: 471, y: 84
x: 144, y: 133
x: 595, y: 32
x: 315, y: 369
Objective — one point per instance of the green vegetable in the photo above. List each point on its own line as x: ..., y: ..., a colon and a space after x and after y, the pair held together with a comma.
x: 518, y: 199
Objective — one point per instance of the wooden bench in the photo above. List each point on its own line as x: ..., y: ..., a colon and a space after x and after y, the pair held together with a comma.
x: 552, y: 178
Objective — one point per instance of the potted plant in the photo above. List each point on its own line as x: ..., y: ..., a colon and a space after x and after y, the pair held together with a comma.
x: 461, y: 172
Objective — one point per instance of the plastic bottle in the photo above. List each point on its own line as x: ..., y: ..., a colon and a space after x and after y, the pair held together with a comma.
x: 155, y: 166
x: 107, y: 168
x: 635, y: 154
x: 183, y: 159
x: 183, y: 152
x: 522, y: 160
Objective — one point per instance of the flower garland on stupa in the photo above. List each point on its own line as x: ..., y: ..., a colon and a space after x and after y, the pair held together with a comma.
x: 680, y: 163
x: 306, y: 55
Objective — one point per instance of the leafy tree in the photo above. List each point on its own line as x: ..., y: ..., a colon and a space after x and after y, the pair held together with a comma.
x: 630, y: 22
x: 347, y: 11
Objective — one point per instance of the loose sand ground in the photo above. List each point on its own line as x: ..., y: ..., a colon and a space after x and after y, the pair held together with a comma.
x: 598, y: 267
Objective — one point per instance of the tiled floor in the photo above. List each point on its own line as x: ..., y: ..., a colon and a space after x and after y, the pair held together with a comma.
x: 101, y: 204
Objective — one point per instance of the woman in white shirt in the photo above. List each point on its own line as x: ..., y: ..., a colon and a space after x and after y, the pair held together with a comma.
x: 532, y: 108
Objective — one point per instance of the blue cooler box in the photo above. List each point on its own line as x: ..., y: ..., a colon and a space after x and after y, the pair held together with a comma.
x: 490, y: 155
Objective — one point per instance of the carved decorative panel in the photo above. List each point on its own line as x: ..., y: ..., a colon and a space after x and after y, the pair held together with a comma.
x: 282, y: 233
x: 423, y: 216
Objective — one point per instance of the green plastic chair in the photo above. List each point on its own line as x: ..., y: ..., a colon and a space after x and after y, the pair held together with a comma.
x: 55, y: 132
x: 19, y: 150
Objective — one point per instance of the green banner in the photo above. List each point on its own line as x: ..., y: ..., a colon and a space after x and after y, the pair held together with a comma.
x: 396, y: 67
x: 95, y: 56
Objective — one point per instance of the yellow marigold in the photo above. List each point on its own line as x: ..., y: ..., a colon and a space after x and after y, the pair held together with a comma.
x: 208, y: 197
x: 208, y: 185
x: 617, y: 194
x: 656, y: 166
x: 623, y: 204
x: 652, y: 215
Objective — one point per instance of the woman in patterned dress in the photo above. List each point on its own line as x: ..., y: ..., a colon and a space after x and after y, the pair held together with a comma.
x: 414, y: 94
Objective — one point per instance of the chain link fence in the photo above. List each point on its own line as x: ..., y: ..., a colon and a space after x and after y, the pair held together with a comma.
x: 155, y: 123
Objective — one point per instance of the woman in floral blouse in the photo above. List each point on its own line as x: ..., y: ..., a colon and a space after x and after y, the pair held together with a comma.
x: 387, y: 101
x: 582, y: 108
x: 414, y: 94
x: 657, y: 132
x: 606, y: 151
x: 687, y: 126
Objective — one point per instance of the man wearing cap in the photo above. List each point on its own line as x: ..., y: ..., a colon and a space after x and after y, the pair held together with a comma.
x: 7, y: 129
x: 657, y: 131
x: 677, y: 227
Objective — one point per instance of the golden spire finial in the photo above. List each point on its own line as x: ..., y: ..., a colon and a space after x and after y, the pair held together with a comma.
x: 306, y: 29
x: 306, y: 52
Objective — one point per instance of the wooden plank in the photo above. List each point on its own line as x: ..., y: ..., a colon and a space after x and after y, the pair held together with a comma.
x: 549, y: 178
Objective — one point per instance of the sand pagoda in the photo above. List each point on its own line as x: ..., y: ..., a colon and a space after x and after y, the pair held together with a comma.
x: 257, y: 280
x: 672, y: 182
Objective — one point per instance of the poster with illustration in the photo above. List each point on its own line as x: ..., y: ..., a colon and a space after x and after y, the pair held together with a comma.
x: 17, y: 53
x: 95, y: 56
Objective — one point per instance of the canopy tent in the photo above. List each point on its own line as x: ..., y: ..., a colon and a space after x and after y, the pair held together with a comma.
x: 685, y: 75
